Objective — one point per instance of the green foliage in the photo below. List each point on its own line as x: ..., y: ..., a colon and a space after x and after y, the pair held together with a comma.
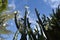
x: 4, y: 17
x: 50, y: 27
x: 25, y: 29
x: 4, y: 31
x: 55, y: 24
x: 3, y: 5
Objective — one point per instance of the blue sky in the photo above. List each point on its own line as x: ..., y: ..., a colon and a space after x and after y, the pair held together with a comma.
x: 43, y: 6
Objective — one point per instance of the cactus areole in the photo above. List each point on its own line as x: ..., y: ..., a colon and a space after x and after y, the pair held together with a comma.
x: 3, y: 5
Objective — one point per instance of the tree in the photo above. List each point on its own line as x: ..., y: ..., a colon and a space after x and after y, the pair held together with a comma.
x: 23, y: 25
x: 54, y: 32
x: 4, y: 17
x: 3, y: 5
x: 49, y: 26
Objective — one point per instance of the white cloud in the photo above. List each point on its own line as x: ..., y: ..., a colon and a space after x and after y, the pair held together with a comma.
x: 53, y: 3
x: 31, y: 20
x: 27, y: 7
x: 12, y: 5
